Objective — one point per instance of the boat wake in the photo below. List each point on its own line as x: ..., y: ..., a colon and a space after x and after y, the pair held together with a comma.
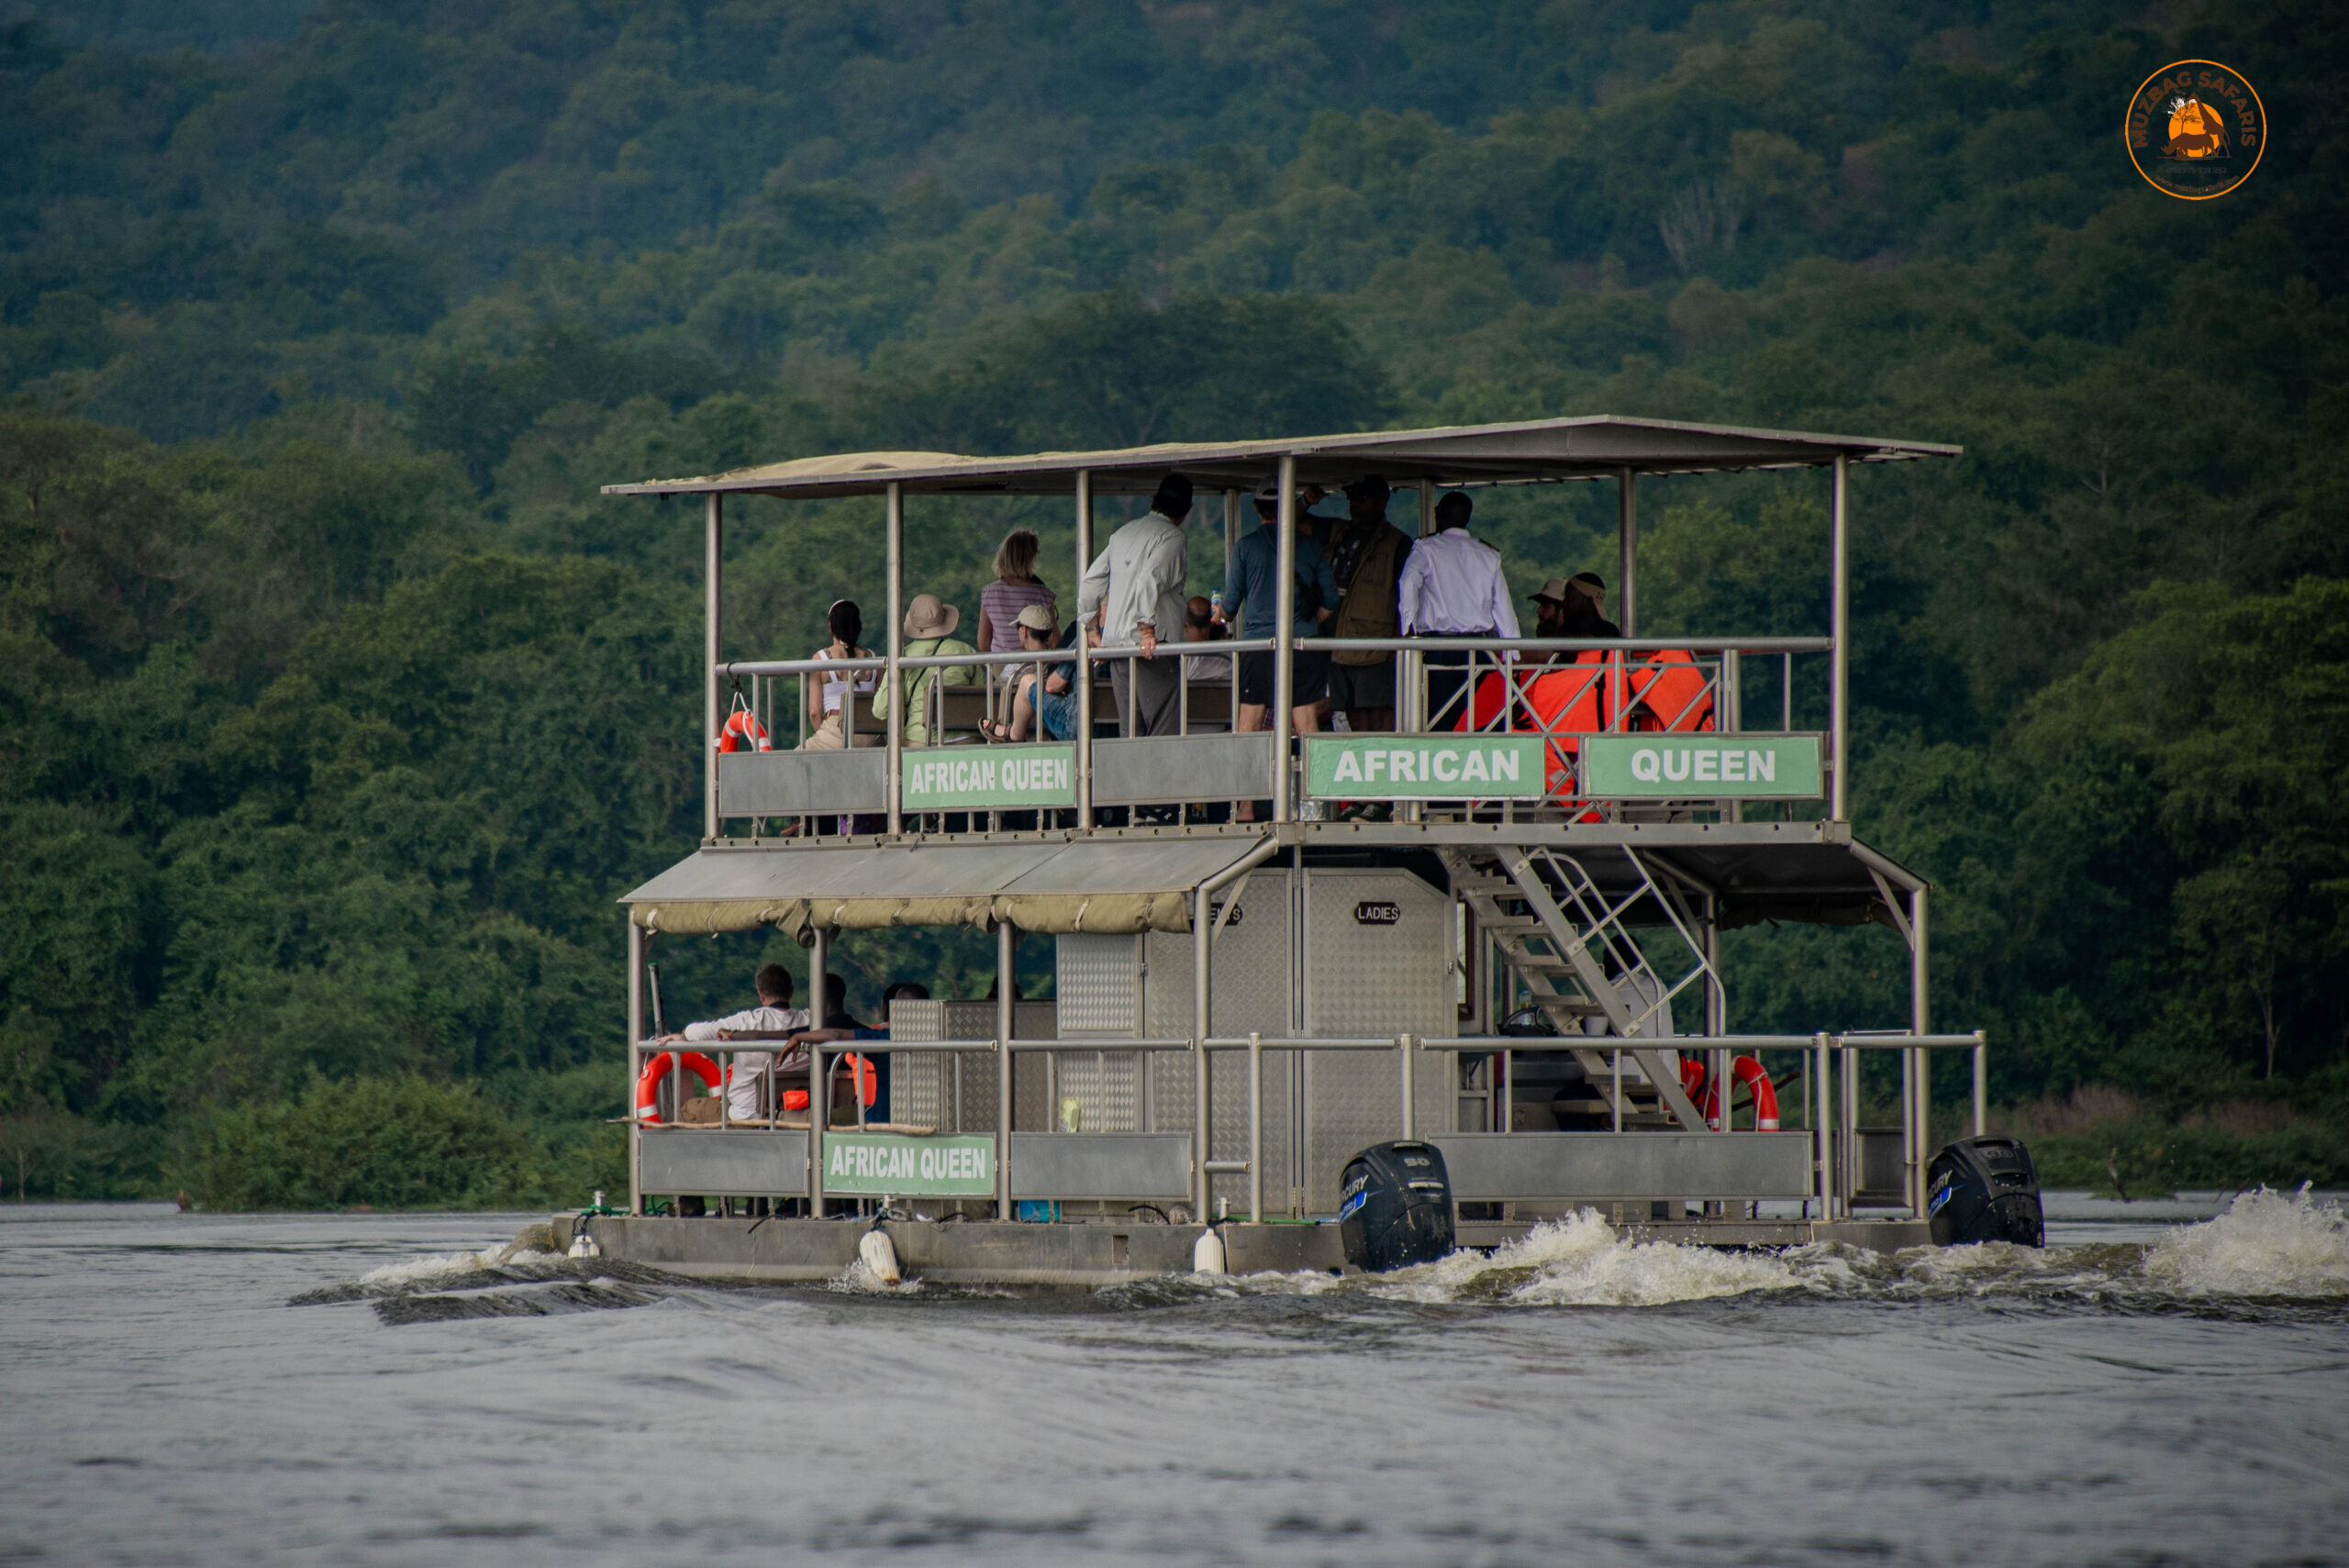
x: 2268, y: 1254
x: 517, y: 1280
x: 2267, y: 1250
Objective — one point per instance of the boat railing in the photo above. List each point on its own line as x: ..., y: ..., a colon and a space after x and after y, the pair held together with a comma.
x: 1834, y: 1146
x: 1538, y: 729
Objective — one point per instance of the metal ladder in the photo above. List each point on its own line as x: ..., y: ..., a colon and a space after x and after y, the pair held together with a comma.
x: 1566, y: 928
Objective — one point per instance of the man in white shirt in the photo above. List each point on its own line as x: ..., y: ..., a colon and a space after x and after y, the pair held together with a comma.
x: 1137, y: 583
x: 774, y: 1016
x: 1452, y: 587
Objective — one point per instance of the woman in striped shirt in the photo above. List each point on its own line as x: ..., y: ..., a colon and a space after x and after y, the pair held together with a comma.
x: 1015, y: 588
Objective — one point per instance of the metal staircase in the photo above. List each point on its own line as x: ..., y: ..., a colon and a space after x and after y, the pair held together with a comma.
x: 1563, y: 935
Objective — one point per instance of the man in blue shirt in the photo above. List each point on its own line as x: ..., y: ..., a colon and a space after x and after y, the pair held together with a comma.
x: 1254, y: 588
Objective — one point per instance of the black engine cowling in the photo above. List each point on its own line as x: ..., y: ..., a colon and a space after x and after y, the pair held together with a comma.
x: 1395, y: 1206
x: 1984, y: 1189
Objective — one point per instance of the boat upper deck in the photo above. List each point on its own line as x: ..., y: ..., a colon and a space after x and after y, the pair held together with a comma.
x: 1715, y: 751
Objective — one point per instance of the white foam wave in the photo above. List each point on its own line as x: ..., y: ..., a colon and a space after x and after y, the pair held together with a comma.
x: 432, y: 1266
x: 1578, y: 1261
x: 2266, y: 1244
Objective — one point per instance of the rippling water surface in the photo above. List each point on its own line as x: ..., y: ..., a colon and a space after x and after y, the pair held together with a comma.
x: 406, y: 1389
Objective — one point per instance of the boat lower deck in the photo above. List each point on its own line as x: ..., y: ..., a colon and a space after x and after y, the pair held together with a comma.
x: 1092, y: 1254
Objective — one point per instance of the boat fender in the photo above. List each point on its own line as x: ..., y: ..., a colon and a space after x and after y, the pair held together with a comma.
x: 880, y: 1255
x: 1207, y: 1252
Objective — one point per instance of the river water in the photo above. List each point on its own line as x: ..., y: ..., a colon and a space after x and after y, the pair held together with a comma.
x: 389, y: 1389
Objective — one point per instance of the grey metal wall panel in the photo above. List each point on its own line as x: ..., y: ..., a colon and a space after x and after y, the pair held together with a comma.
x: 732, y: 1165
x: 1137, y: 1165
x: 785, y: 783
x: 1250, y: 980
x: 922, y: 1083
x: 1494, y: 1167
x: 1177, y: 768
x: 1371, y: 972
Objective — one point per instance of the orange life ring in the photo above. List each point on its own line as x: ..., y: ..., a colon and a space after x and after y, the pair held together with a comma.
x: 743, y: 732
x: 1745, y: 1070
x: 648, y: 1083
x: 868, y: 1081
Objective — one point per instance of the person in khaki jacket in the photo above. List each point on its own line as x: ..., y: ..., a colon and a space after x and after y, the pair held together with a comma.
x: 1366, y: 556
x: 930, y: 632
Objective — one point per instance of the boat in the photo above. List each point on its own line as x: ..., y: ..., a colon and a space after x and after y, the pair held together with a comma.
x: 1494, y: 931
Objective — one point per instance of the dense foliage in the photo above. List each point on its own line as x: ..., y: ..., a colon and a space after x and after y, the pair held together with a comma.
x: 336, y: 704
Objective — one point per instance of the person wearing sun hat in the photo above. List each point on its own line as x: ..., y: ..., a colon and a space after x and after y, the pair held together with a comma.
x: 930, y: 632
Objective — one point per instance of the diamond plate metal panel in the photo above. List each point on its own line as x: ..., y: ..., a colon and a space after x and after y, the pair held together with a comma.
x: 1250, y: 982
x: 1097, y: 980
x: 923, y: 1085
x: 1378, y: 948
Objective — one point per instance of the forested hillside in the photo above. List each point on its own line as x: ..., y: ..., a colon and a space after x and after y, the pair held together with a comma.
x: 337, y: 705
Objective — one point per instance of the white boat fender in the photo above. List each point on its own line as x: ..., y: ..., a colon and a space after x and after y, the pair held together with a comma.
x: 1207, y: 1252
x: 880, y: 1255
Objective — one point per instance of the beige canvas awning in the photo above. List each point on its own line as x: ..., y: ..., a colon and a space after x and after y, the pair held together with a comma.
x: 1101, y: 886
x: 1527, y: 451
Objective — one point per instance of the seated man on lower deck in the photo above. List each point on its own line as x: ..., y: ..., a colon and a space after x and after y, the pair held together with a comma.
x: 772, y: 1016
x: 898, y: 991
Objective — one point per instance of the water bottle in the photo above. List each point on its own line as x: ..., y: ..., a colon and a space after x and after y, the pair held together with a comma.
x: 1215, y: 606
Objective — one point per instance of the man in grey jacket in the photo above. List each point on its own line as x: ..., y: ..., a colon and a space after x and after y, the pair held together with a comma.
x: 1138, y: 584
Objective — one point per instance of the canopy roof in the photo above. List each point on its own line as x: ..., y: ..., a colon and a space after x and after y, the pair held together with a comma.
x: 1038, y: 886
x: 1529, y: 451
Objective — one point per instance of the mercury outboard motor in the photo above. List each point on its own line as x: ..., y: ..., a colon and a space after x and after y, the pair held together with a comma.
x: 1984, y: 1189
x: 1395, y: 1206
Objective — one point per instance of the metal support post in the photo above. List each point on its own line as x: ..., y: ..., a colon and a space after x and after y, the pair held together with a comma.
x: 1816, y: 1114
x: 1838, y: 618
x: 1403, y: 1044
x: 1255, y: 1127
x: 635, y: 1033
x: 1981, y: 1090
x: 1921, y: 1022
x: 1426, y: 507
x: 1084, y: 654
x: 713, y: 714
x: 1007, y: 996
x: 1202, y: 1105
x: 819, y: 1096
x: 896, y: 678
x: 1717, y: 1012
x: 1627, y: 528
x: 1284, y: 641
x: 1850, y: 1125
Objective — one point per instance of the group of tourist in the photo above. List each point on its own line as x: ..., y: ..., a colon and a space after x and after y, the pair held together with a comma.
x: 1358, y: 576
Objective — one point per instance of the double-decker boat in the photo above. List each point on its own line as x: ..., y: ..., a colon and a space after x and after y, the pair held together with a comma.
x: 1494, y: 931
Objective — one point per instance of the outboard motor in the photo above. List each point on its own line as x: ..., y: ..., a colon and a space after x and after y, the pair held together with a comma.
x: 1395, y: 1206
x: 1984, y: 1189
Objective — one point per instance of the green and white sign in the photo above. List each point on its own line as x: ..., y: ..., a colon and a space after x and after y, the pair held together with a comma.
x: 895, y: 1165
x: 1618, y: 767
x: 975, y: 778
x: 1424, y: 767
